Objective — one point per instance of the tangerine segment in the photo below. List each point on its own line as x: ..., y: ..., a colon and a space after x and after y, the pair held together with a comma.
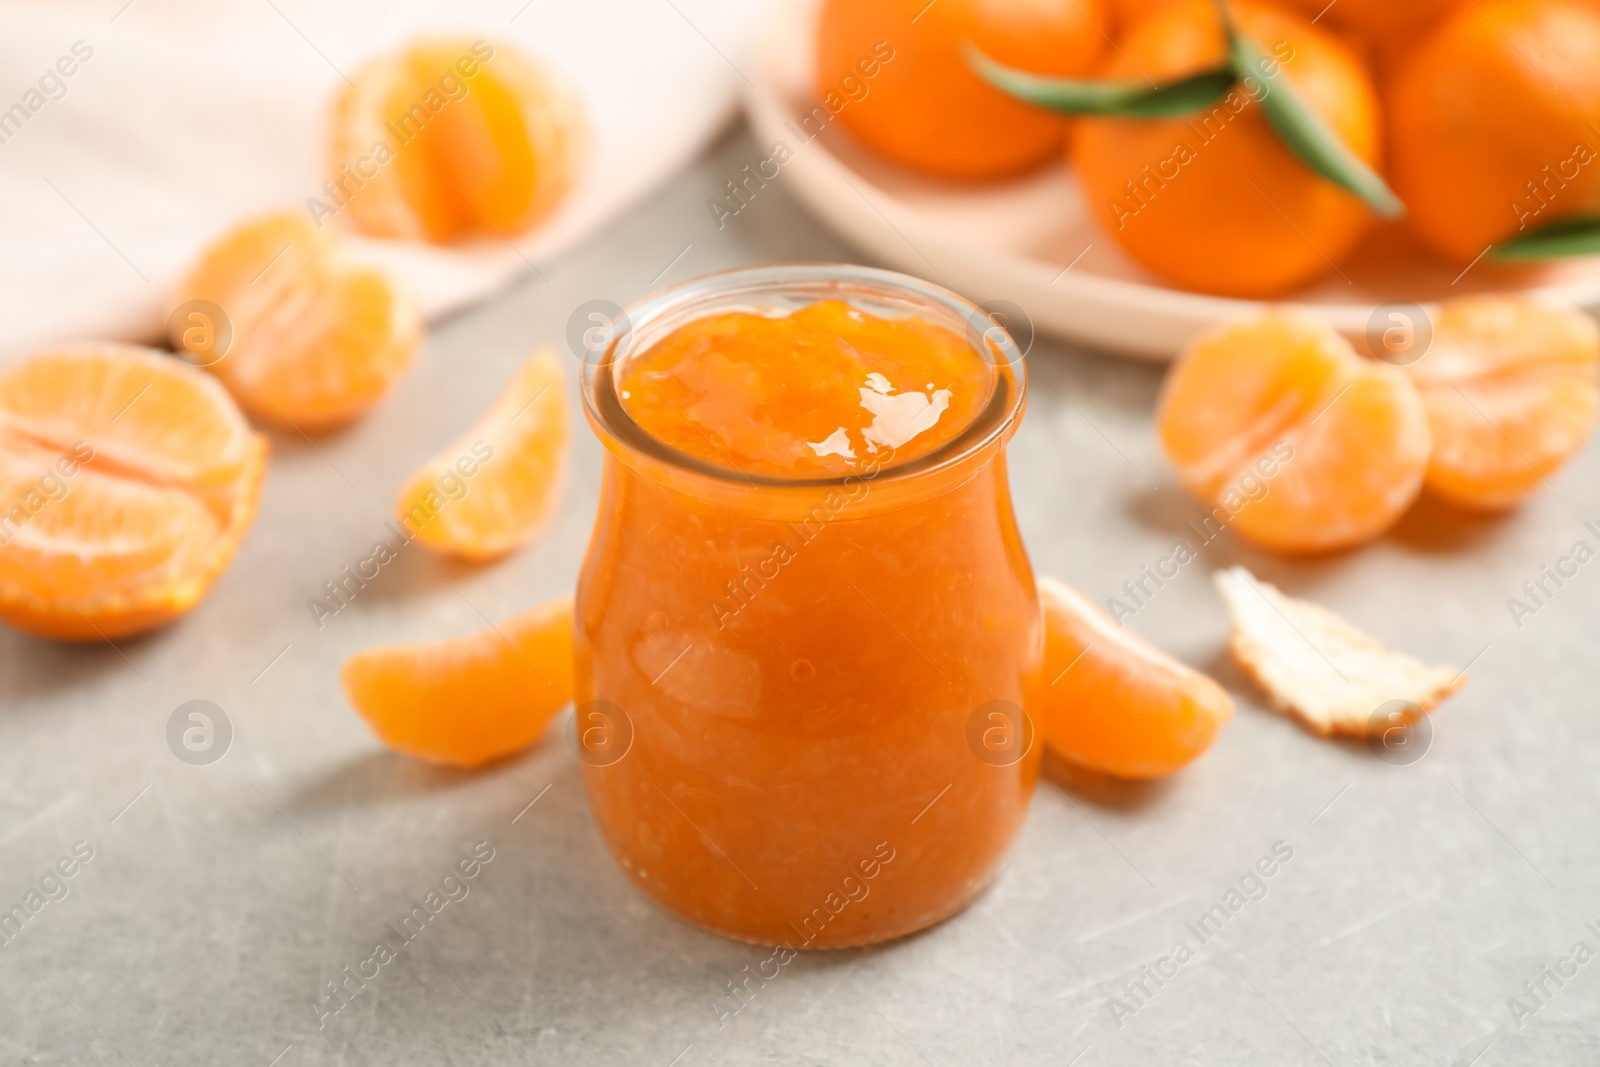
x: 495, y: 487
x: 1214, y: 201
x: 136, y: 410
x: 1511, y: 391
x: 1235, y: 393
x: 454, y: 138
x: 1490, y: 120
x: 467, y: 700
x: 316, y: 339
x: 1113, y: 702
x: 128, y: 481
x: 1298, y: 443
x: 895, y: 74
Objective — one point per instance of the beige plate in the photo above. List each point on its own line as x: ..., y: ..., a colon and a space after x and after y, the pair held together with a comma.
x: 1012, y: 240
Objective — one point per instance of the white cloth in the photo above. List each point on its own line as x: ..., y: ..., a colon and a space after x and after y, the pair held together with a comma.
x: 191, y: 114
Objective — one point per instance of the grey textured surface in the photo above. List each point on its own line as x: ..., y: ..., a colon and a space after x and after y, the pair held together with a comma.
x: 219, y: 899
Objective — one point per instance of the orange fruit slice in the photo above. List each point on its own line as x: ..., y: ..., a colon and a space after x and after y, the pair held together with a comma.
x: 495, y: 487
x: 1511, y: 392
x: 453, y: 138
x: 1298, y: 444
x: 470, y: 699
x: 315, y: 339
x: 1112, y: 702
x: 127, y: 481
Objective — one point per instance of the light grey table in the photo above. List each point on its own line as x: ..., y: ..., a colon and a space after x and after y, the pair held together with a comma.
x: 220, y: 898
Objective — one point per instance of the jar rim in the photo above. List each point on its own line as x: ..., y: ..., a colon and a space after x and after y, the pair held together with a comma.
x: 991, y: 426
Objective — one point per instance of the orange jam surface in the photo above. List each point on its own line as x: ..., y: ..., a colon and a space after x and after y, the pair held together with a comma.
x: 797, y: 669
x: 814, y: 393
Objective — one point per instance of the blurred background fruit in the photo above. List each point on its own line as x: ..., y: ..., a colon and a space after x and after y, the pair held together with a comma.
x: 315, y: 338
x: 482, y: 141
x: 922, y: 107
x: 1380, y: 22
x: 1214, y: 202
x: 1491, y: 122
x: 1127, y: 12
x: 1510, y: 388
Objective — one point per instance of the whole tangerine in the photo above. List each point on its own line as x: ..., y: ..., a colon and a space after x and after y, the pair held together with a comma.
x: 895, y: 74
x: 1214, y: 201
x: 1491, y: 123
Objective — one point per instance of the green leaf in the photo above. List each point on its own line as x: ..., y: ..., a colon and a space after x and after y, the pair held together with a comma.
x: 1303, y: 131
x: 1076, y: 96
x: 1576, y: 235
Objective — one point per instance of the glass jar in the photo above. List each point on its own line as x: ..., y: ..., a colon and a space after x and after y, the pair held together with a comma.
x: 799, y: 699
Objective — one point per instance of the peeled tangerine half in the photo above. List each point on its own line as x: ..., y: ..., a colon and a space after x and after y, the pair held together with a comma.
x: 495, y: 487
x: 1299, y: 444
x: 127, y: 480
x: 301, y: 336
x: 1510, y: 388
x: 1112, y: 702
x: 453, y: 138
x: 1320, y: 669
x: 470, y: 699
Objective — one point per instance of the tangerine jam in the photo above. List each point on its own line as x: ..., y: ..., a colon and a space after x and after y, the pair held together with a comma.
x: 806, y: 622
